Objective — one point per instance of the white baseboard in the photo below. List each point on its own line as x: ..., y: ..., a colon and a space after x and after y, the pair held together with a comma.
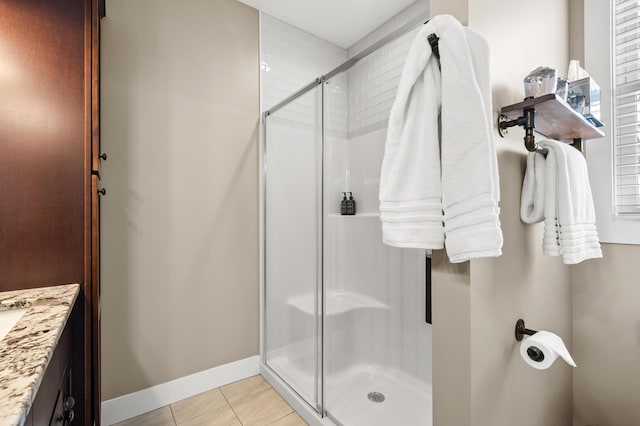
x: 136, y: 403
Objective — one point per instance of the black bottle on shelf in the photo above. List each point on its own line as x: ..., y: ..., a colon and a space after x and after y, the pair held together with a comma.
x: 351, y: 205
x: 343, y: 204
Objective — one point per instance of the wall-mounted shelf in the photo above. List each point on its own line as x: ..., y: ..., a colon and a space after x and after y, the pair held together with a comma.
x: 550, y: 116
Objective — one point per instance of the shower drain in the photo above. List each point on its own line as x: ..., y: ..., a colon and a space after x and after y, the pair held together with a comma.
x: 375, y: 396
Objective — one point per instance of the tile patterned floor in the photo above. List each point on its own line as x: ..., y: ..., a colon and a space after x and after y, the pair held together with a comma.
x: 249, y: 402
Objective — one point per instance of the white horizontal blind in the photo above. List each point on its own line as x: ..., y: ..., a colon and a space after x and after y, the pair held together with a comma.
x: 626, y: 68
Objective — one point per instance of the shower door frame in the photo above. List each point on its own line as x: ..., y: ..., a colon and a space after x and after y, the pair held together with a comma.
x: 320, y: 302
x: 319, y: 387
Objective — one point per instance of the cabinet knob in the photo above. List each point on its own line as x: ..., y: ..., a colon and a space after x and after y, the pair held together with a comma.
x: 102, y: 191
x: 69, y: 403
x: 103, y: 156
x: 66, y: 417
x: 68, y: 414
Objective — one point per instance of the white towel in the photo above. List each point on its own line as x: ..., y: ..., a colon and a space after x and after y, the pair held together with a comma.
x: 439, y: 177
x: 556, y: 189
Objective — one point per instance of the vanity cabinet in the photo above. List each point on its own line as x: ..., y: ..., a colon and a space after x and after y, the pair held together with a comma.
x: 49, y: 155
x: 54, y: 403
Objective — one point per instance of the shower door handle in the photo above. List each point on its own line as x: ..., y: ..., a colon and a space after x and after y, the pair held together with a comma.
x: 427, y: 282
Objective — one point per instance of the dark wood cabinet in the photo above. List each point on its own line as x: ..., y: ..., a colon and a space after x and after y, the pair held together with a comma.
x: 55, y: 401
x: 49, y: 155
x: 96, y: 193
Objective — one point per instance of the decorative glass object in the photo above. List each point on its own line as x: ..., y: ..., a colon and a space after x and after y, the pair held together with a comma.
x: 563, y: 88
x: 590, y: 91
x: 576, y: 101
x: 540, y: 81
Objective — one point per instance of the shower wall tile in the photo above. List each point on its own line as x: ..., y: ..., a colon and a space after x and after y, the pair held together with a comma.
x: 292, y: 58
x: 372, y: 85
x: 356, y: 102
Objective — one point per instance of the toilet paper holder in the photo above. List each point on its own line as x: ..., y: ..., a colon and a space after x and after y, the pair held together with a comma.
x: 521, y: 330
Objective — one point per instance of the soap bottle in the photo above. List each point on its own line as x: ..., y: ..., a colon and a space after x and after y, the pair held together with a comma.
x: 351, y: 205
x: 343, y: 204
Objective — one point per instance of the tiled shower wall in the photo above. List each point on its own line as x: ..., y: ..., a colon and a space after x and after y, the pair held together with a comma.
x: 359, y: 101
x: 373, y: 82
x: 372, y: 85
x: 292, y: 58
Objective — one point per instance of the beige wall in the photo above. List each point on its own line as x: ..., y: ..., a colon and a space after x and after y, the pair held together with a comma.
x: 179, y: 224
x: 451, y: 341
x: 496, y: 386
x: 606, y: 321
x: 576, y: 30
x: 523, y: 283
x: 457, y: 8
x: 606, y: 338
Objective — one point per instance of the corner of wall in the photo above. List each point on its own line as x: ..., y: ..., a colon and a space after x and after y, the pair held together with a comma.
x: 451, y: 341
x: 495, y: 386
x: 179, y: 246
x: 523, y: 282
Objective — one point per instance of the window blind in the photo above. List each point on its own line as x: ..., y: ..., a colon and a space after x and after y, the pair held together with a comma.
x: 626, y: 108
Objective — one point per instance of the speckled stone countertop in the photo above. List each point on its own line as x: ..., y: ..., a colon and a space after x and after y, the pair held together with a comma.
x: 26, y: 350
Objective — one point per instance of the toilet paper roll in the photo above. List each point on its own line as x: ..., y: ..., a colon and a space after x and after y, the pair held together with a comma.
x: 542, y: 349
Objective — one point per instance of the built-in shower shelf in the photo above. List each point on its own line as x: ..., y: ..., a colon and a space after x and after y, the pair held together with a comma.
x: 336, y: 303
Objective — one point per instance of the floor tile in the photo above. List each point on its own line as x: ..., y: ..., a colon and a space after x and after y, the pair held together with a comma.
x: 235, y: 391
x: 221, y: 417
x: 261, y: 408
x: 160, y: 417
x: 292, y: 419
x: 198, y: 405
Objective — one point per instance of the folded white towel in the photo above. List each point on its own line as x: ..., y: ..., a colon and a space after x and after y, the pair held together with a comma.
x: 556, y: 189
x: 441, y: 179
x: 532, y: 199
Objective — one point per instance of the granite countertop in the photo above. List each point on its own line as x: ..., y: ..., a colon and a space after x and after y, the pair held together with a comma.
x: 25, y: 352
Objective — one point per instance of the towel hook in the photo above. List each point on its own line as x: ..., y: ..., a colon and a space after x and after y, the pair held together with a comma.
x: 435, y: 48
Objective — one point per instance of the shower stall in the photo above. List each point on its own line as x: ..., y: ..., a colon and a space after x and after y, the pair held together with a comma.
x: 346, y: 333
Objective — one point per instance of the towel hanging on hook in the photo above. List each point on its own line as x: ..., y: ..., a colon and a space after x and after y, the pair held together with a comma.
x: 425, y: 191
x: 433, y: 40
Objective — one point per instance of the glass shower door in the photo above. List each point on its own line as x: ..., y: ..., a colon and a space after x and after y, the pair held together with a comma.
x: 377, y: 345
x: 293, y: 274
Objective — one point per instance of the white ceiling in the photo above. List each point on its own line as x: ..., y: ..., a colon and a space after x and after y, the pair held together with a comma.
x: 342, y: 22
